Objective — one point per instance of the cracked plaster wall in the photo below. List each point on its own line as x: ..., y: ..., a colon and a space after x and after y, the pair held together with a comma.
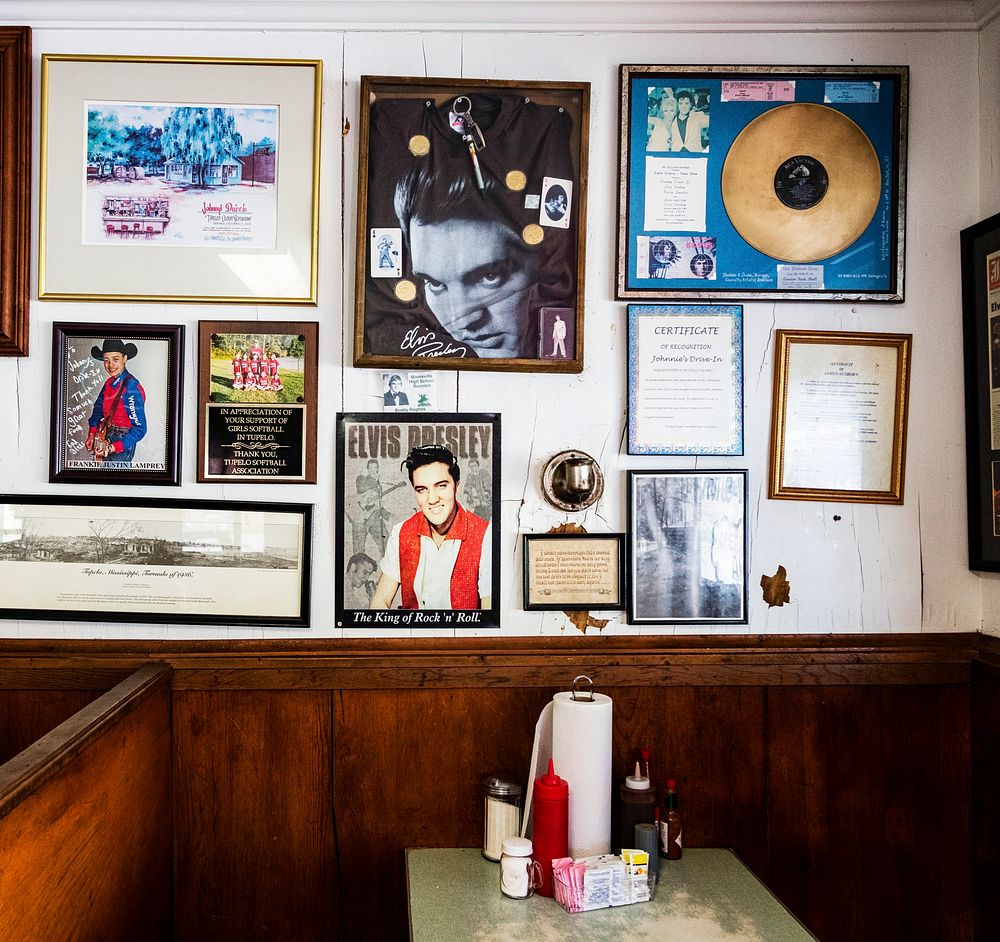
x: 873, y: 569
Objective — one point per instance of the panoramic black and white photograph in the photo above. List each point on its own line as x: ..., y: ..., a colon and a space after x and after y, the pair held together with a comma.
x: 687, y: 553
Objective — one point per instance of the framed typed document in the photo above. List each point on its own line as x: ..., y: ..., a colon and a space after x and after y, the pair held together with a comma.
x: 257, y: 401
x: 472, y: 209
x: 574, y: 571
x: 418, y: 497
x: 838, y: 416
x: 116, y: 403
x: 687, y: 547
x: 179, y: 179
x: 184, y: 562
x: 981, y: 309
x: 762, y: 182
x: 685, y: 379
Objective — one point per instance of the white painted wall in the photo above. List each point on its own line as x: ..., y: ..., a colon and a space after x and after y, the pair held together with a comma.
x: 876, y: 569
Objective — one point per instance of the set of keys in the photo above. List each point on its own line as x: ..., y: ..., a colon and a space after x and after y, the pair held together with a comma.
x: 473, y: 137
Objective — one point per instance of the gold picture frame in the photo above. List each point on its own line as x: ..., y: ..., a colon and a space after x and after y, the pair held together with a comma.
x: 838, y: 416
x: 179, y: 179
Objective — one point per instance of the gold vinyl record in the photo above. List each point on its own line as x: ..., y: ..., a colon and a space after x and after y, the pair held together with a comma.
x: 801, y: 182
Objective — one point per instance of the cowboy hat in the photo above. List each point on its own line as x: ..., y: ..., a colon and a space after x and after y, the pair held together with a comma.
x: 114, y: 346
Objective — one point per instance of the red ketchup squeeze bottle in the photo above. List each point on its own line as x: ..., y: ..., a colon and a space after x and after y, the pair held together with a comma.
x: 550, y: 828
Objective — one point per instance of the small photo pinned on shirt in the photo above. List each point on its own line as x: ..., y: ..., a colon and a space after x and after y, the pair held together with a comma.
x: 386, y: 253
x: 557, y: 198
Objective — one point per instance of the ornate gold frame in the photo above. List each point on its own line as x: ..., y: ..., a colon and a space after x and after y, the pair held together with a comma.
x: 784, y: 341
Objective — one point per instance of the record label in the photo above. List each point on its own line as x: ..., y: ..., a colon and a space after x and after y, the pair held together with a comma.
x: 801, y: 182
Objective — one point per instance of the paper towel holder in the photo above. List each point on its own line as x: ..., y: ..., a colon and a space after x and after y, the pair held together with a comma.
x: 578, y: 678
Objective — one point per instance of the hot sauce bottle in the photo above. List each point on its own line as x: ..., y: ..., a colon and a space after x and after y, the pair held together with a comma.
x: 671, y: 846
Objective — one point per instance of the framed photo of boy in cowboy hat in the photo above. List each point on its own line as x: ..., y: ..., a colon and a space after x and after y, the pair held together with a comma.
x: 116, y: 394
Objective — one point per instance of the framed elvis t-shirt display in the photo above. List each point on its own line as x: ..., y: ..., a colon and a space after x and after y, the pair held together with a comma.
x: 471, y: 224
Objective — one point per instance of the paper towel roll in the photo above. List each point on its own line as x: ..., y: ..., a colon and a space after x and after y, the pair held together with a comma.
x: 581, y: 751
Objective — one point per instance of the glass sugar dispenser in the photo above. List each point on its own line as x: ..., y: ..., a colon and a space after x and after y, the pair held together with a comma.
x: 503, y: 798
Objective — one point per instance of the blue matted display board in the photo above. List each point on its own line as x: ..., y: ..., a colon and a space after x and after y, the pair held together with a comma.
x: 769, y: 182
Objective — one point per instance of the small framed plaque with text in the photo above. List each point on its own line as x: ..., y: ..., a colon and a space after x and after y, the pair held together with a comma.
x: 257, y: 401
x: 573, y: 571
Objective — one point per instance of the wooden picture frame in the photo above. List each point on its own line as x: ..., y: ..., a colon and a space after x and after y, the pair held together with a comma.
x: 201, y: 186
x: 782, y: 182
x: 687, y: 547
x: 139, y: 420
x: 257, y: 396
x: 407, y: 479
x: 463, y: 261
x: 582, y: 571
x: 838, y: 416
x: 15, y: 188
x: 980, y: 245
x: 184, y: 562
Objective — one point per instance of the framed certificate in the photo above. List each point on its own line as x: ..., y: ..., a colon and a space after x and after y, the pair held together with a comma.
x: 782, y: 182
x: 685, y: 379
x: 573, y: 571
x: 981, y: 309
x: 838, y: 417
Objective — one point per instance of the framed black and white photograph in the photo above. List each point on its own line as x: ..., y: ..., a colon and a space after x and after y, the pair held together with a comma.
x: 981, y: 314
x: 760, y: 181
x: 574, y: 571
x: 116, y: 403
x: 190, y: 562
x: 472, y: 208
x: 418, y: 500
x: 687, y: 547
x: 685, y: 379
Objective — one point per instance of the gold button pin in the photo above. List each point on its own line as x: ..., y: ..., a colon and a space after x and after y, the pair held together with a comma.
x: 406, y: 290
x: 516, y: 180
x: 533, y: 234
x: 419, y: 145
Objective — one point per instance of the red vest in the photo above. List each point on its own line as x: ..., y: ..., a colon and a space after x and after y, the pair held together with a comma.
x: 467, y: 527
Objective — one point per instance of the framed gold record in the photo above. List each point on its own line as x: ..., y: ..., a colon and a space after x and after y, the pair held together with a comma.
x: 783, y: 182
x: 801, y: 182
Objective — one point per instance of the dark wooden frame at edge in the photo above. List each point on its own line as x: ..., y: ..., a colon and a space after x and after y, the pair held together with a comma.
x: 15, y: 188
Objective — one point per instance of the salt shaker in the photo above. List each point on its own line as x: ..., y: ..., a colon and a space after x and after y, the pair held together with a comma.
x: 502, y: 812
x: 520, y: 876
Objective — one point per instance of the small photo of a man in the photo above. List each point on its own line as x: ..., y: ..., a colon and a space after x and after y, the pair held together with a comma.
x: 394, y: 396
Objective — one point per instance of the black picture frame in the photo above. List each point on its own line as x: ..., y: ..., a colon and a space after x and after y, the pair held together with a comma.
x: 155, y: 560
x: 608, y: 596
x: 730, y: 221
x: 687, y: 541
x: 374, y: 495
x: 78, y: 380
x: 980, y: 250
x: 454, y: 273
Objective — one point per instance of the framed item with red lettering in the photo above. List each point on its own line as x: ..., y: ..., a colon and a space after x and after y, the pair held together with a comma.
x: 981, y: 310
x: 472, y: 208
x: 15, y: 188
x: 418, y: 506
x: 257, y: 401
x: 116, y: 403
x: 759, y: 181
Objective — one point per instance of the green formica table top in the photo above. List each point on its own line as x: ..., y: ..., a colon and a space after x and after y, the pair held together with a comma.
x: 707, y: 896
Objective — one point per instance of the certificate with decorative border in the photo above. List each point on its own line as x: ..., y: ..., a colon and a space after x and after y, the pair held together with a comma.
x: 685, y: 379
